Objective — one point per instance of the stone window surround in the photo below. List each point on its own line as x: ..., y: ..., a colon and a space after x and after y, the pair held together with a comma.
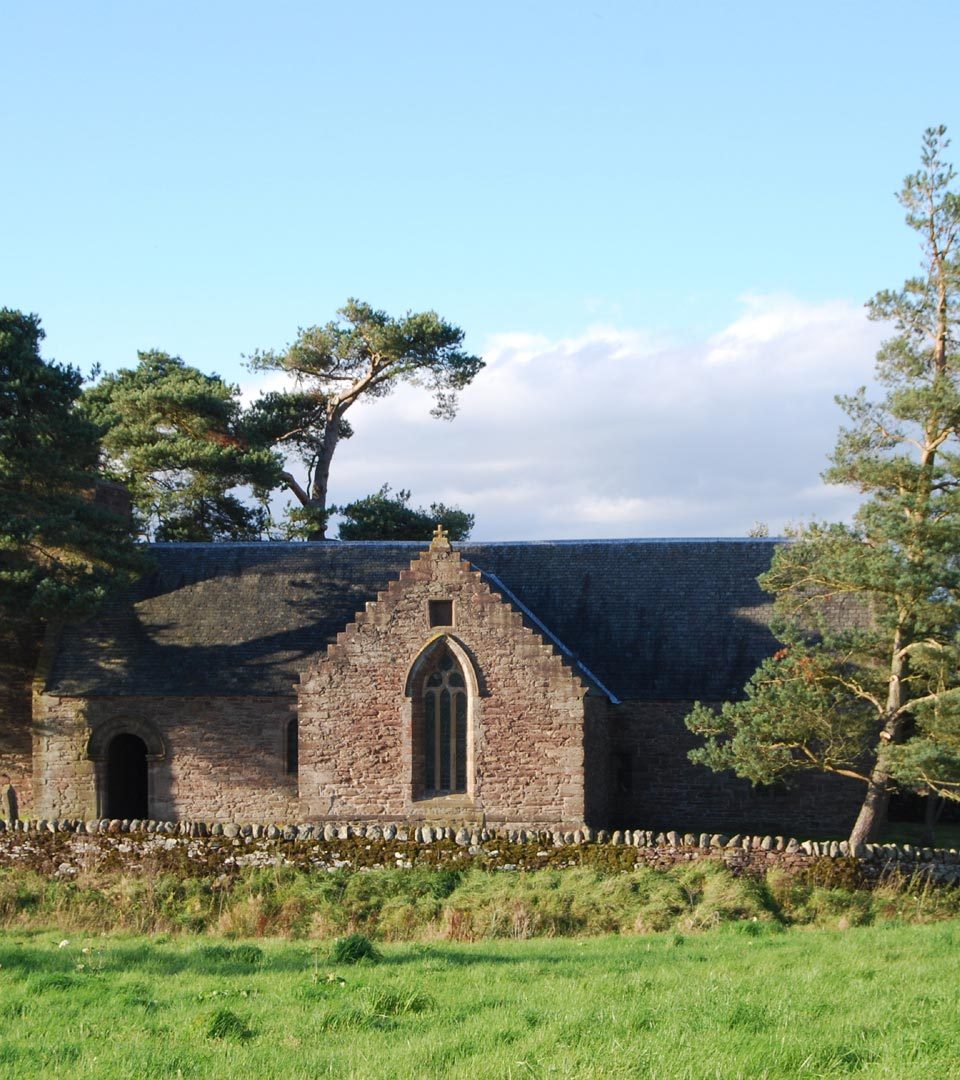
x: 413, y: 722
x: 440, y: 612
x: 291, y: 748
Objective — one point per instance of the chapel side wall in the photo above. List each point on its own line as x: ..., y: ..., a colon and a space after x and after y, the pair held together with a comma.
x: 667, y: 791
x: 62, y: 774
x: 224, y: 759
x: 19, y: 652
x: 598, y: 778
x: 357, y: 723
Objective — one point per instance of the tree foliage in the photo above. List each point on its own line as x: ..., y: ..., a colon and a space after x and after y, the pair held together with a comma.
x: 365, y: 353
x: 868, y: 684
x: 382, y: 517
x: 176, y: 438
x: 59, y: 549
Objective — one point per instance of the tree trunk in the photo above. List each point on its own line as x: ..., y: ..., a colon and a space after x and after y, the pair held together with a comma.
x: 873, y: 812
x: 321, y: 472
x: 316, y: 498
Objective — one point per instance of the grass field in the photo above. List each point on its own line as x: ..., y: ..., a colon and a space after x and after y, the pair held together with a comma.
x: 748, y: 999
x: 462, y: 906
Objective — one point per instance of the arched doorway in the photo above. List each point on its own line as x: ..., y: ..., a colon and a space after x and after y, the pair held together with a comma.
x: 127, y: 795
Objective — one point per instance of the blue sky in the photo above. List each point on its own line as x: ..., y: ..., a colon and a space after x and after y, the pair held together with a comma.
x: 604, y: 195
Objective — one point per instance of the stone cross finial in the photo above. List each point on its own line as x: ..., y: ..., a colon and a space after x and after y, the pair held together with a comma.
x: 440, y: 539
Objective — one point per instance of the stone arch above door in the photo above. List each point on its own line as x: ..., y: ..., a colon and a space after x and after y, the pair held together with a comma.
x: 103, y: 734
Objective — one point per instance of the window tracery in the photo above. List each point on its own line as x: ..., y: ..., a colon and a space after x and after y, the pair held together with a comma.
x: 445, y: 728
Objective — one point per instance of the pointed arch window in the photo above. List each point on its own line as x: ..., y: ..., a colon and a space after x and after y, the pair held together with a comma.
x: 445, y: 728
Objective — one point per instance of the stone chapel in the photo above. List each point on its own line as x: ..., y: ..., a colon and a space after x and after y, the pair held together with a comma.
x: 514, y: 684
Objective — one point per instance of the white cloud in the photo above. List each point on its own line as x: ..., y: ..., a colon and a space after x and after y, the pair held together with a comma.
x: 777, y: 319
x: 618, y: 433
x: 604, y: 510
x: 263, y: 383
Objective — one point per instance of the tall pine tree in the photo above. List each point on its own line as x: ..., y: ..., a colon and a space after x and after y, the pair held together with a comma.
x: 363, y: 354
x: 868, y: 683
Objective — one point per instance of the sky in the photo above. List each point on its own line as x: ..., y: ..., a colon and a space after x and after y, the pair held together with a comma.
x: 657, y: 223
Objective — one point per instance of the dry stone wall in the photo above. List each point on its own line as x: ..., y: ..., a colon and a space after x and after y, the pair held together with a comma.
x: 62, y: 848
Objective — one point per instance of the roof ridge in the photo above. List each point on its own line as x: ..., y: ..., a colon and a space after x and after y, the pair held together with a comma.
x: 458, y: 545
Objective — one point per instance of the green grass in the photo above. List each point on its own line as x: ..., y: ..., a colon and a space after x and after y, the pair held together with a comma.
x: 473, y: 905
x: 946, y: 834
x: 746, y: 1000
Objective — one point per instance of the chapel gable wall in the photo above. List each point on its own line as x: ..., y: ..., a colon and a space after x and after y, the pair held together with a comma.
x: 358, y: 719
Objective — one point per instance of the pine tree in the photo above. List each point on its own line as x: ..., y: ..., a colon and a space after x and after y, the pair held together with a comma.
x: 175, y: 438
x: 364, y: 354
x: 60, y: 550
x: 384, y: 517
x: 868, y: 682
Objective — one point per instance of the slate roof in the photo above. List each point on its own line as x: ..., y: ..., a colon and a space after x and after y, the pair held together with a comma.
x: 654, y: 620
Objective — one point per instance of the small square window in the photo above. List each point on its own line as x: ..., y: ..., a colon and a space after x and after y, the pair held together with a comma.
x: 441, y: 613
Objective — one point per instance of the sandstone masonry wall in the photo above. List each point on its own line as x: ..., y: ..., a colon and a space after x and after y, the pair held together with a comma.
x: 18, y: 658
x: 654, y: 781
x: 223, y: 757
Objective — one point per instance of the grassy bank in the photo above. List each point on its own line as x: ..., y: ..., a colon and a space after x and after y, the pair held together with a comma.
x: 747, y: 1000
x: 469, y: 905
